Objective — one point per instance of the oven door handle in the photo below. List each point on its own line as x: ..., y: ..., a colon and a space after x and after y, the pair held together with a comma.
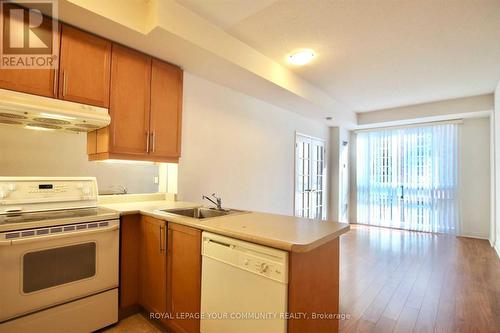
x: 58, y: 236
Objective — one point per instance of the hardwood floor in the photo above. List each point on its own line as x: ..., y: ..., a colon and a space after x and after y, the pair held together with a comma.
x: 403, y: 281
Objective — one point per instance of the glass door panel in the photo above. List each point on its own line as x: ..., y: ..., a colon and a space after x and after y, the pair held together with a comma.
x: 310, y: 172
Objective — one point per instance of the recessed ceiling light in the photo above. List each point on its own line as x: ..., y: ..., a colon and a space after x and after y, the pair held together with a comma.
x: 301, y: 57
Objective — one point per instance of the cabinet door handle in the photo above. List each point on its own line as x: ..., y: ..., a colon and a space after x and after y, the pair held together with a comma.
x: 147, y: 142
x: 64, y: 83
x: 153, y: 141
x: 168, y: 248
x: 161, y: 236
x: 162, y: 249
x: 55, y: 83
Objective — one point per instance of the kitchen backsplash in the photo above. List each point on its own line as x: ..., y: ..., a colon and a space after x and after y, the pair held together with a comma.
x: 26, y: 152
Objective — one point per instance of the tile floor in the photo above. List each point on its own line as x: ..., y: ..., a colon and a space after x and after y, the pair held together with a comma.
x: 137, y: 323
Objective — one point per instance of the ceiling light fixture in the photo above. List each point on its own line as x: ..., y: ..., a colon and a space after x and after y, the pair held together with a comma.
x: 301, y: 57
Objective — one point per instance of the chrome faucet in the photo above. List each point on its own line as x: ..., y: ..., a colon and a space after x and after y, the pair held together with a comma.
x: 122, y: 189
x: 217, y: 202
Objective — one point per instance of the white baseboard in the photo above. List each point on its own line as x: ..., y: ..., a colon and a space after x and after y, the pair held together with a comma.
x: 497, y: 249
x: 475, y: 236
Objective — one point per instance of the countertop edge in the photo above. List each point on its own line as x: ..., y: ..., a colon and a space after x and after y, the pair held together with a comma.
x: 301, y: 248
x: 286, y: 246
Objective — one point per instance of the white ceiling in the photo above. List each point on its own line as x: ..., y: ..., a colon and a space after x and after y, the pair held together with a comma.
x: 170, y: 31
x: 374, y: 54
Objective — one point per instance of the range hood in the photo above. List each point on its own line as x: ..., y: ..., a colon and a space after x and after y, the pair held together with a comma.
x: 36, y: 112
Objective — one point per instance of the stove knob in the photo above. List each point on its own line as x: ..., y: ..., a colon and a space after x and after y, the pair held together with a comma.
x: 263, y: 267
x: 3, y: 194
x: 12, y: 187
x: 86, y: 190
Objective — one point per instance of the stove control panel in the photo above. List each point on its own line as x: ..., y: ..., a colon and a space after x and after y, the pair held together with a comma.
x: 24, y: 194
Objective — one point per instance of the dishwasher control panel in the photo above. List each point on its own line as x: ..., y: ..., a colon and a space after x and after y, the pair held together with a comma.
x: 263, y: 266
x: 258, y: 259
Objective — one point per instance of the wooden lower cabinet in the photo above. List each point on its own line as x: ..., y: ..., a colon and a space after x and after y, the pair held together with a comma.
x: 153, y: 265
x: 130, y: 226
x: 160, y: 271
x: 184, y: 272
x: 313, y: 287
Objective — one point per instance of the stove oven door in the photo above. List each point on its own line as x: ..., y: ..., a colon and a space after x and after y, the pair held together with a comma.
x: 44, y: 267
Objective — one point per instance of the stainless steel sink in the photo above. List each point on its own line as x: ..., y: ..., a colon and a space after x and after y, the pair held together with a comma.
x: 201, y: 212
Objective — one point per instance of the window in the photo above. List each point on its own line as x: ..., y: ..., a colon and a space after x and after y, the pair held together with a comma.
x: 310, y: 171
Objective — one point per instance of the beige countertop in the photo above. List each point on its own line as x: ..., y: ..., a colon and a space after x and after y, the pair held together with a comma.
x: 278, y: 231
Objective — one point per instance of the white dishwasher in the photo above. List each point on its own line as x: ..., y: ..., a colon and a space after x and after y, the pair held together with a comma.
x: 244, y: 287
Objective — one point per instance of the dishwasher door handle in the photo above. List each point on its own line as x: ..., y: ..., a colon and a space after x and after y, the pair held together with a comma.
x: 219, y: 243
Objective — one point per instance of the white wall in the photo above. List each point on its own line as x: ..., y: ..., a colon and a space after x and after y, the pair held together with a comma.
x: 471, y: 106
x: 239, y: 147
x: 475, y: 177
x: 26, y: 152
x: 339, y: 174
x: 496, y: 225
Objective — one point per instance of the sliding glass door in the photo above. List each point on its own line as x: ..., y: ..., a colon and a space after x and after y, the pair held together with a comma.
x: 408, y: 178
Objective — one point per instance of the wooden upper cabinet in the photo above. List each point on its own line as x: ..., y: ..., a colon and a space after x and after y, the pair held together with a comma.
x: 84, y: 67
x: 145, y: 108
x: 153, y: 265
x: 166, y: 109
x: 129, y: 102
x: 144, y: 96
x: 184, y: 277
x: 42, y: 82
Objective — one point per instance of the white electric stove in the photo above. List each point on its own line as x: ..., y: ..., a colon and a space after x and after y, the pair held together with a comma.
x: 58, y: 256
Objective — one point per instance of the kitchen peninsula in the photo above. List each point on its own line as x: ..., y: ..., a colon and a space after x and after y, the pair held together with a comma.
x: 154, y: 278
